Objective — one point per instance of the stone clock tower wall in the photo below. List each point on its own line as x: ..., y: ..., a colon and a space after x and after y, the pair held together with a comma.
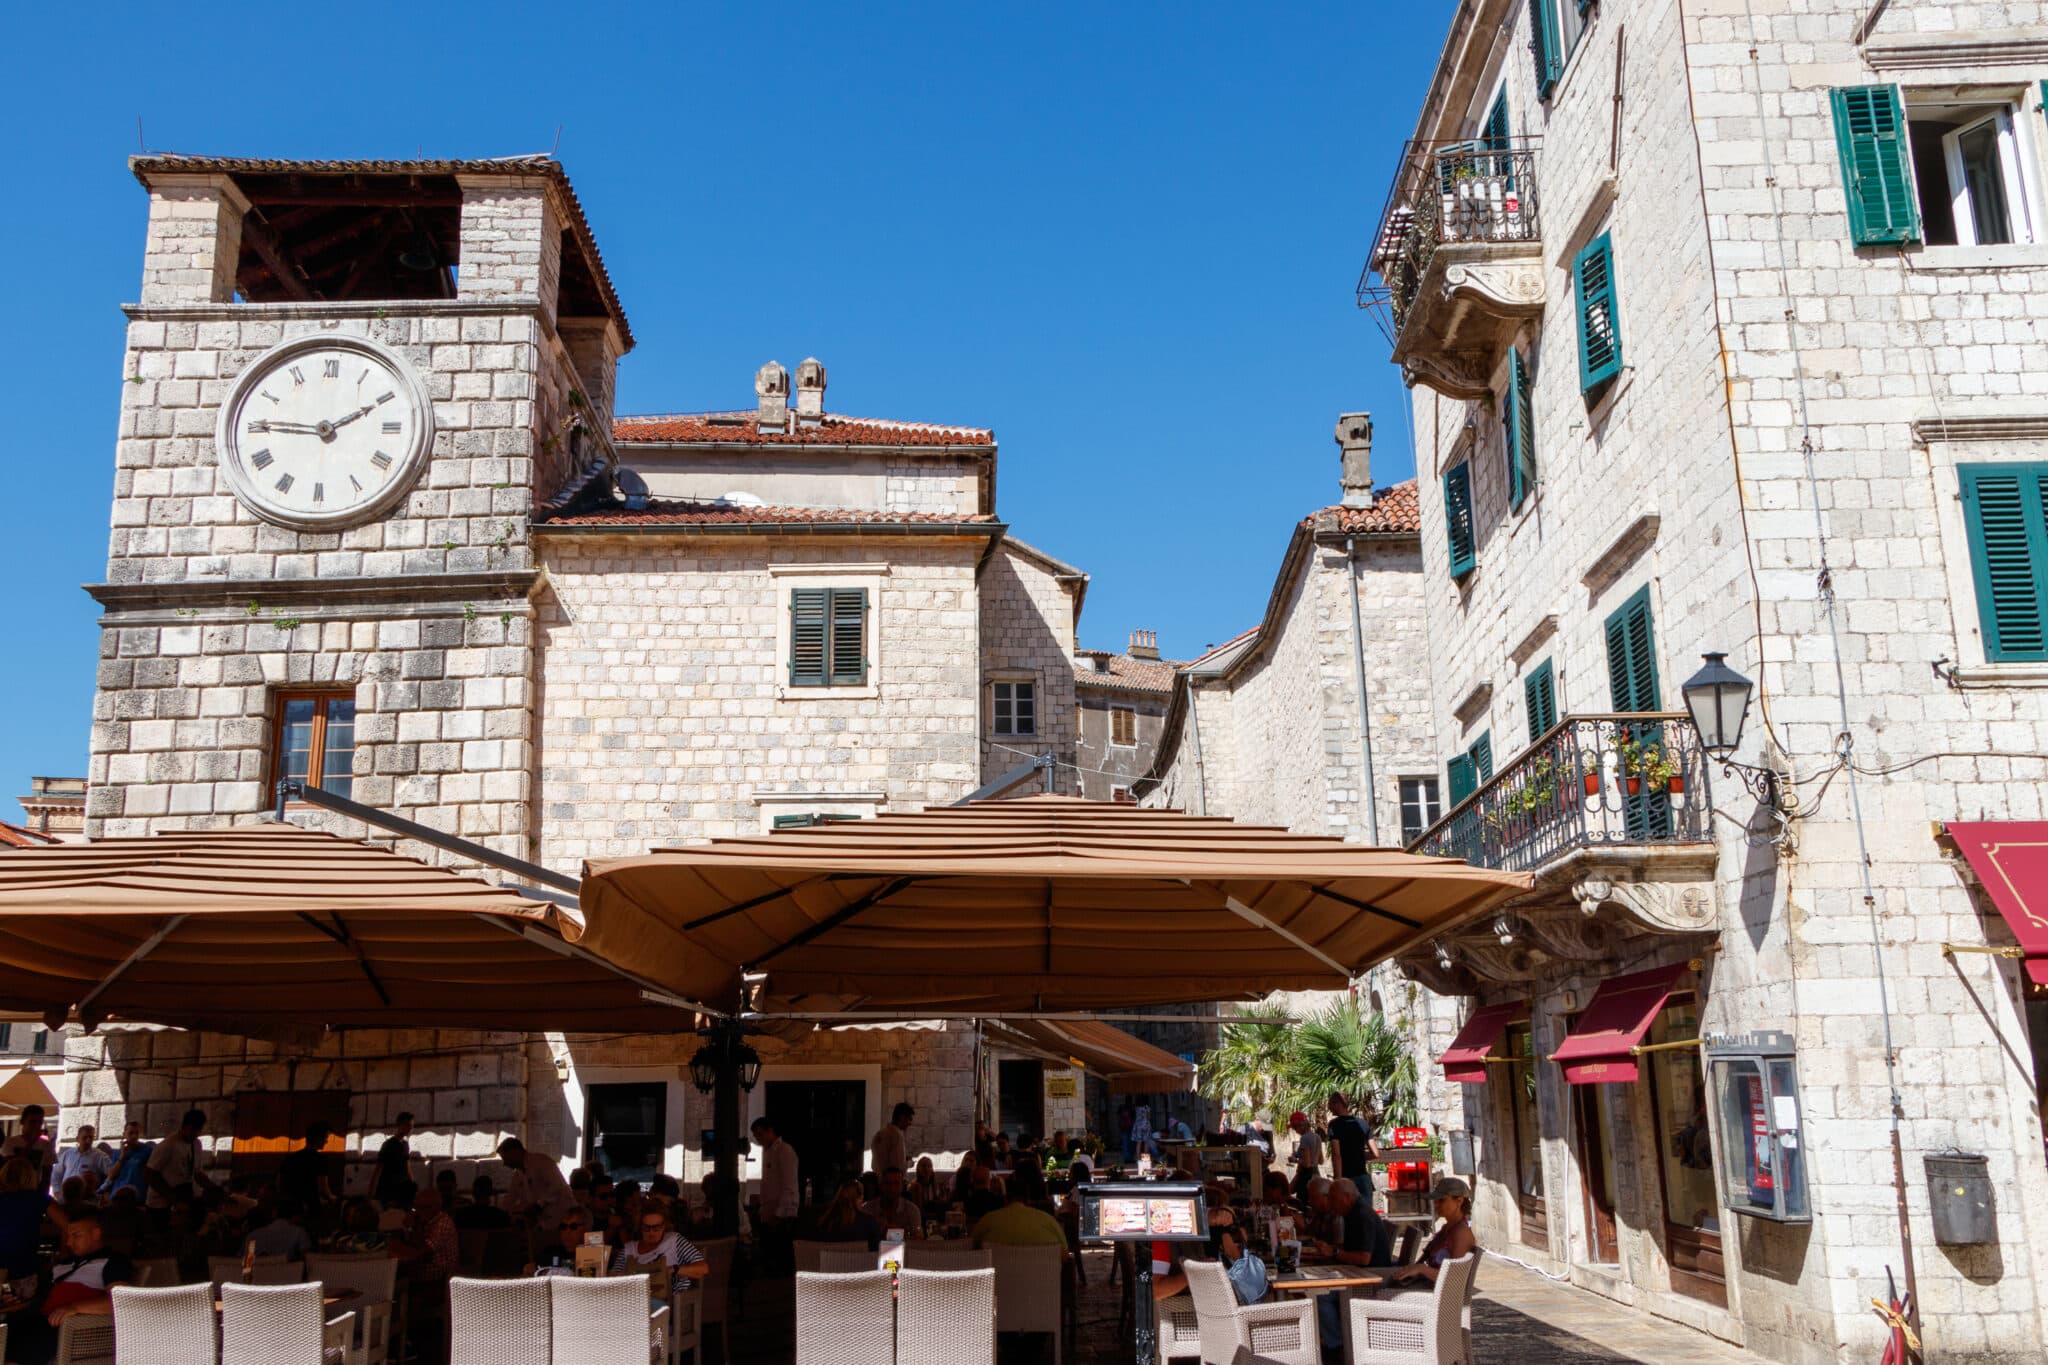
x: 210, y: 612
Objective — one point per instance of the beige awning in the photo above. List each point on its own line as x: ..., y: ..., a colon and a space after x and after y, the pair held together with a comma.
x: 21, y: 1087
x: 266, y: 926
x: 1040, y: 904
x: 1130, y: 1065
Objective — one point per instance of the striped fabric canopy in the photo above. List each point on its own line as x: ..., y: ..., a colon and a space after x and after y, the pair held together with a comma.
x: 280, y: 926
x: 1040, y: 904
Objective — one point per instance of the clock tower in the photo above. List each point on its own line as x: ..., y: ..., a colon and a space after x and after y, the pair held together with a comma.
x: 348, y: 387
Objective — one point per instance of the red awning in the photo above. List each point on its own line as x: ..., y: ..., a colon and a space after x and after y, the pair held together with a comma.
x: 2010, y: 858
x: 1466, y: 1059
x: 1596, y: 1051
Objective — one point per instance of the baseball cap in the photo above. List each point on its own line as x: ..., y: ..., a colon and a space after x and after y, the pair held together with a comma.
x: 1297, y: 1117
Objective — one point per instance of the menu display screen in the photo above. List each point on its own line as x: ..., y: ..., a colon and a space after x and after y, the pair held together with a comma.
x: 1142, y: 1211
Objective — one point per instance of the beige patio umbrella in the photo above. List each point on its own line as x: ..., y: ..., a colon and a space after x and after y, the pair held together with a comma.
x: 274, y: 926
x: 1043, y: 904
x: 19, y: 1088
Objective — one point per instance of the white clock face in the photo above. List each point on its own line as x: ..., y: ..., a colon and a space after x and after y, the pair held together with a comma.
x: 323, y: 432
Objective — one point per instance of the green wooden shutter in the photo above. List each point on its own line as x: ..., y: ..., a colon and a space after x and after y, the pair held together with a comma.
x: 1481, y: 754
x: 807, y: 616
x: 1877, y: 175
x: 1546, y: 43
x: 1495, y: 135
x: 1539, y: 698
x: 849, y: 656
x: 1458, y: 518
x: 1632, y: 655
x: 1521, y: 431
x: 1599, y: 324
x: 2003, y: 510
x: 1462, y: 783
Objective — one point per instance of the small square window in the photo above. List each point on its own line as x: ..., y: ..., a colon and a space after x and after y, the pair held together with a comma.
x: 1015, y: 709
x: 316, y: 740
x: 1420, y: 807
x: 1123, y: 726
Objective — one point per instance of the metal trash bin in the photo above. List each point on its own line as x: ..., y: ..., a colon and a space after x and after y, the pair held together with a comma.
x: 1959, y: 1197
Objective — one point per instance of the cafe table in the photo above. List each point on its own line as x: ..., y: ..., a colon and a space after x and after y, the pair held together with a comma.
x: 1311, y: 1280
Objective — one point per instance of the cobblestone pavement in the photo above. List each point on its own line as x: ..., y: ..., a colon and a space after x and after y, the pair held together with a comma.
x: 1518, y: 1318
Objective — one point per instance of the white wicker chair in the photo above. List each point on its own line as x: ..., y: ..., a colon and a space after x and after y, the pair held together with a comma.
x: 173, y: 1326
x: 946, y: 1317
x: 86, y: 1339
x: 1418, y: 1328
x: 1028, y: 1290
x: 844, y: 1260
x: 499, y: 1322
x: 283, y: 1324
x: 809, y: 1254
x: 1180, y: 1332
x: 271, y: 1270
x: 1284, y: 1332
x: 958, y: 1255
x: 373, y: 1277
x: 845, y: 1319
x: 605, y: 1321
x: 685, y: 1321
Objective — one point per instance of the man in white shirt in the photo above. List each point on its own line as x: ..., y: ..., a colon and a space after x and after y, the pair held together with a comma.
x: 173, y: 1167
x: 890, y: 1148
x: 780, y: 1197
x: 30, y: 1141
x: 538, y: 1189
x: 85, y: 1160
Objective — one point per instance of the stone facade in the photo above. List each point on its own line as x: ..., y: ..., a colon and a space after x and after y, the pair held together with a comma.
x: 1110, y: 759
x: 1030, y: 609
x: 1777, y: 464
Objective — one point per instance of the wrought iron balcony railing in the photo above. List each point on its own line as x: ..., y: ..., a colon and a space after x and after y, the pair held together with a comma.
x: 1589, y: 782
x: 1445, y: 194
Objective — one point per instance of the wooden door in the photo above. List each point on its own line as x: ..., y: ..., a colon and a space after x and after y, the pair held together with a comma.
x: 1596, y: 1172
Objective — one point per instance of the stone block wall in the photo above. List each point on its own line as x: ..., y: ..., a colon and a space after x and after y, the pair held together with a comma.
x: 511, y: 241
x: 194, y: 240
x: 1027, y: 635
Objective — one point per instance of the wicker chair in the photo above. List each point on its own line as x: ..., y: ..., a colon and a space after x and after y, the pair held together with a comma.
x: 164, y: 1326
x: 1414, y: 1328
x: 606, y: 1321
x: 272, y: 1270
x: 809, y: 1255
x: 1180, y: 1333
x: 843, y: 1260
x: 685, y: 1321
x: 1028, y: 1295
x: 1284, y: 1332
x: 946, y: 1317
x: 86, y: 1339
x: 845, y: 1319
x: 959, y: 1255
x: 374, y: 1278
x: 158, y: 1272
x: 499, y: 1322
x: 282, y: 1324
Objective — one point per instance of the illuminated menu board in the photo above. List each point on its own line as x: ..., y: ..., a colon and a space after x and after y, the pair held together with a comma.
x: 1141, y: 1211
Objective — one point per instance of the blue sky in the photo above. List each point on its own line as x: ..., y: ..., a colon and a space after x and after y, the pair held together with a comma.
x: 1125, y: 237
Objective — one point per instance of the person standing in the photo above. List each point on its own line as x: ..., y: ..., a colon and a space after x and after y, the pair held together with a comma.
x: 890, y: 1147
x: 1308, y: 1152
x: 173, y: 1168
x: 1351, y: 1144
x: 130, y: 1162
x: 394, y: 1160
x: 539, y: 1193
x: 302, y: 1175
x: 780, y: 1197
x: 30, y: 1142
x: 83, y: 1160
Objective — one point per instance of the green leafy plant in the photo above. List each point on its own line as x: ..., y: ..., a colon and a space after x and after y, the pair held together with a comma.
x: 1345, y: 1048
x: 1642, y: 756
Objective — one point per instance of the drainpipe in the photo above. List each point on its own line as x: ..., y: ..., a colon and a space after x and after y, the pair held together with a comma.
x: 1372, y: 812
x: 1195, y: 740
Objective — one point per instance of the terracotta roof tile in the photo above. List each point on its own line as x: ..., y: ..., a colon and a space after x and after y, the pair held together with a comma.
x: 20, y: 836
x: 1124, y: 672
x: 666, y: 512
x: 1394, y: 511
x: 832, y: 429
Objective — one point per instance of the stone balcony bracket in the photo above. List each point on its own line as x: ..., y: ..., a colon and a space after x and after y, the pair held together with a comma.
x: 1471, y: 301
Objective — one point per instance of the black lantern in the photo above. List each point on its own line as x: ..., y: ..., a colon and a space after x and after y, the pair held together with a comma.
x: 1718, y: 698
x: 704, y: 1070
x: 748, y: 1062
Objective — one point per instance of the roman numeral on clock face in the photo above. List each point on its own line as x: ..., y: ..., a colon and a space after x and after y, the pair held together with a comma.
x: 330, y: 368
x: 353, y: 484
x: 392, y: 428
x: 298, y: 375
x: 381, y: 460
x: 284, y: 483
x: 257, y: 425
x: 319, y: 492
x: 261, y: 458
x: 386, y: 396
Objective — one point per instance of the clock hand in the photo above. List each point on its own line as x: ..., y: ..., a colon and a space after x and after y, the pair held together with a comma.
x: 294, y: 428
x: 344, y: 421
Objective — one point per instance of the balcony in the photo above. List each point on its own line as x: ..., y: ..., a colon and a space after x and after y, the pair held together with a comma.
x: 1457, y: 262
x: 1612, y: 814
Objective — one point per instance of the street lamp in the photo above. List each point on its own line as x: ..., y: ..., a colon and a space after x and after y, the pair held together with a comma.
x: 748, y: 1062
x: 704, y: 1070
x: 1718, y: 699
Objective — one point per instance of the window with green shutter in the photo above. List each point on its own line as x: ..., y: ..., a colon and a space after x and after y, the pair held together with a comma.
x: 1458, y: 518
x: 2005, y: 511
x: 1877, y: 175
x: 808, y: 821
x: 1599, y: 323
x: 1539, y: 698
x: 828, y: 637
x: 1462, y: 784
x: 1521, y: 431
x: 1495, y: 136
x: 1546, y: 43
x: 1632, y: 655
x: 1481, y: 754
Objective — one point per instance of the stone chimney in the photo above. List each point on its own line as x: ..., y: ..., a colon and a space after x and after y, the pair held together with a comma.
x: 1144, y: 644
x: 810, y: 392
x: 771, y: 385
x: 1354, y: 442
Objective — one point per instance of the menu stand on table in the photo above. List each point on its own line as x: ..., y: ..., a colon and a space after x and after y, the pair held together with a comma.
x: 1143, y: 1211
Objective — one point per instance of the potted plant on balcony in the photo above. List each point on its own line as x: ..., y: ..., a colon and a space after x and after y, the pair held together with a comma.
x: 1646, y: 762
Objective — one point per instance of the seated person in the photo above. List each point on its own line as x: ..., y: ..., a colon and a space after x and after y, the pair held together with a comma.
x: 559, y: 1258
x: 1364, y: 1240
x: 1276, y: 1191
x: 1246, y: 1271
x: 429, y: 1245
x: 982, y: 1197
x: 846, y: 1220
x: 444, y: 1185
x: 280, y: 1231
x: 76, y: 1282
x: 925, y: 1189
x: 1454, y: 1239
x: 481, y: 1213
x: 1019, y: 1222
x: 892, y: 1208
x: 660, y: 1245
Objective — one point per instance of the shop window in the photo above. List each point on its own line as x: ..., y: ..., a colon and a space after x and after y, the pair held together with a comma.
x: 1015, y: 709
x: 316, y: 740
x: 1420, y: 807
x: 1692, y: 1205
x: 1756, y: 1099
x: 1123, y: 726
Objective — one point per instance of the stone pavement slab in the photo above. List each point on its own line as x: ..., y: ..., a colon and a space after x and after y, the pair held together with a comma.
x: 1520, y: 1316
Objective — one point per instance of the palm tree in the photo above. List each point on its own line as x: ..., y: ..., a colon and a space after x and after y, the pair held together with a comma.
x: 1343, y: 1048
x: 1244, y: 1070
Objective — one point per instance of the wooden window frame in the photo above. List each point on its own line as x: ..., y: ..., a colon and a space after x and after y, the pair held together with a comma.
x: 995, y: 716
x: 316, y: 757
x: 1461, y: 531
x: 1132, y: 713
x: 1431, y: 804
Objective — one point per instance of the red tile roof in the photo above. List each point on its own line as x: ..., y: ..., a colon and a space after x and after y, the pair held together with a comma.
x: 1124, y: 673
x: 1394, y: 511
x: 19, y: 836
x: 665, y: 512
x: 832, y: 429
